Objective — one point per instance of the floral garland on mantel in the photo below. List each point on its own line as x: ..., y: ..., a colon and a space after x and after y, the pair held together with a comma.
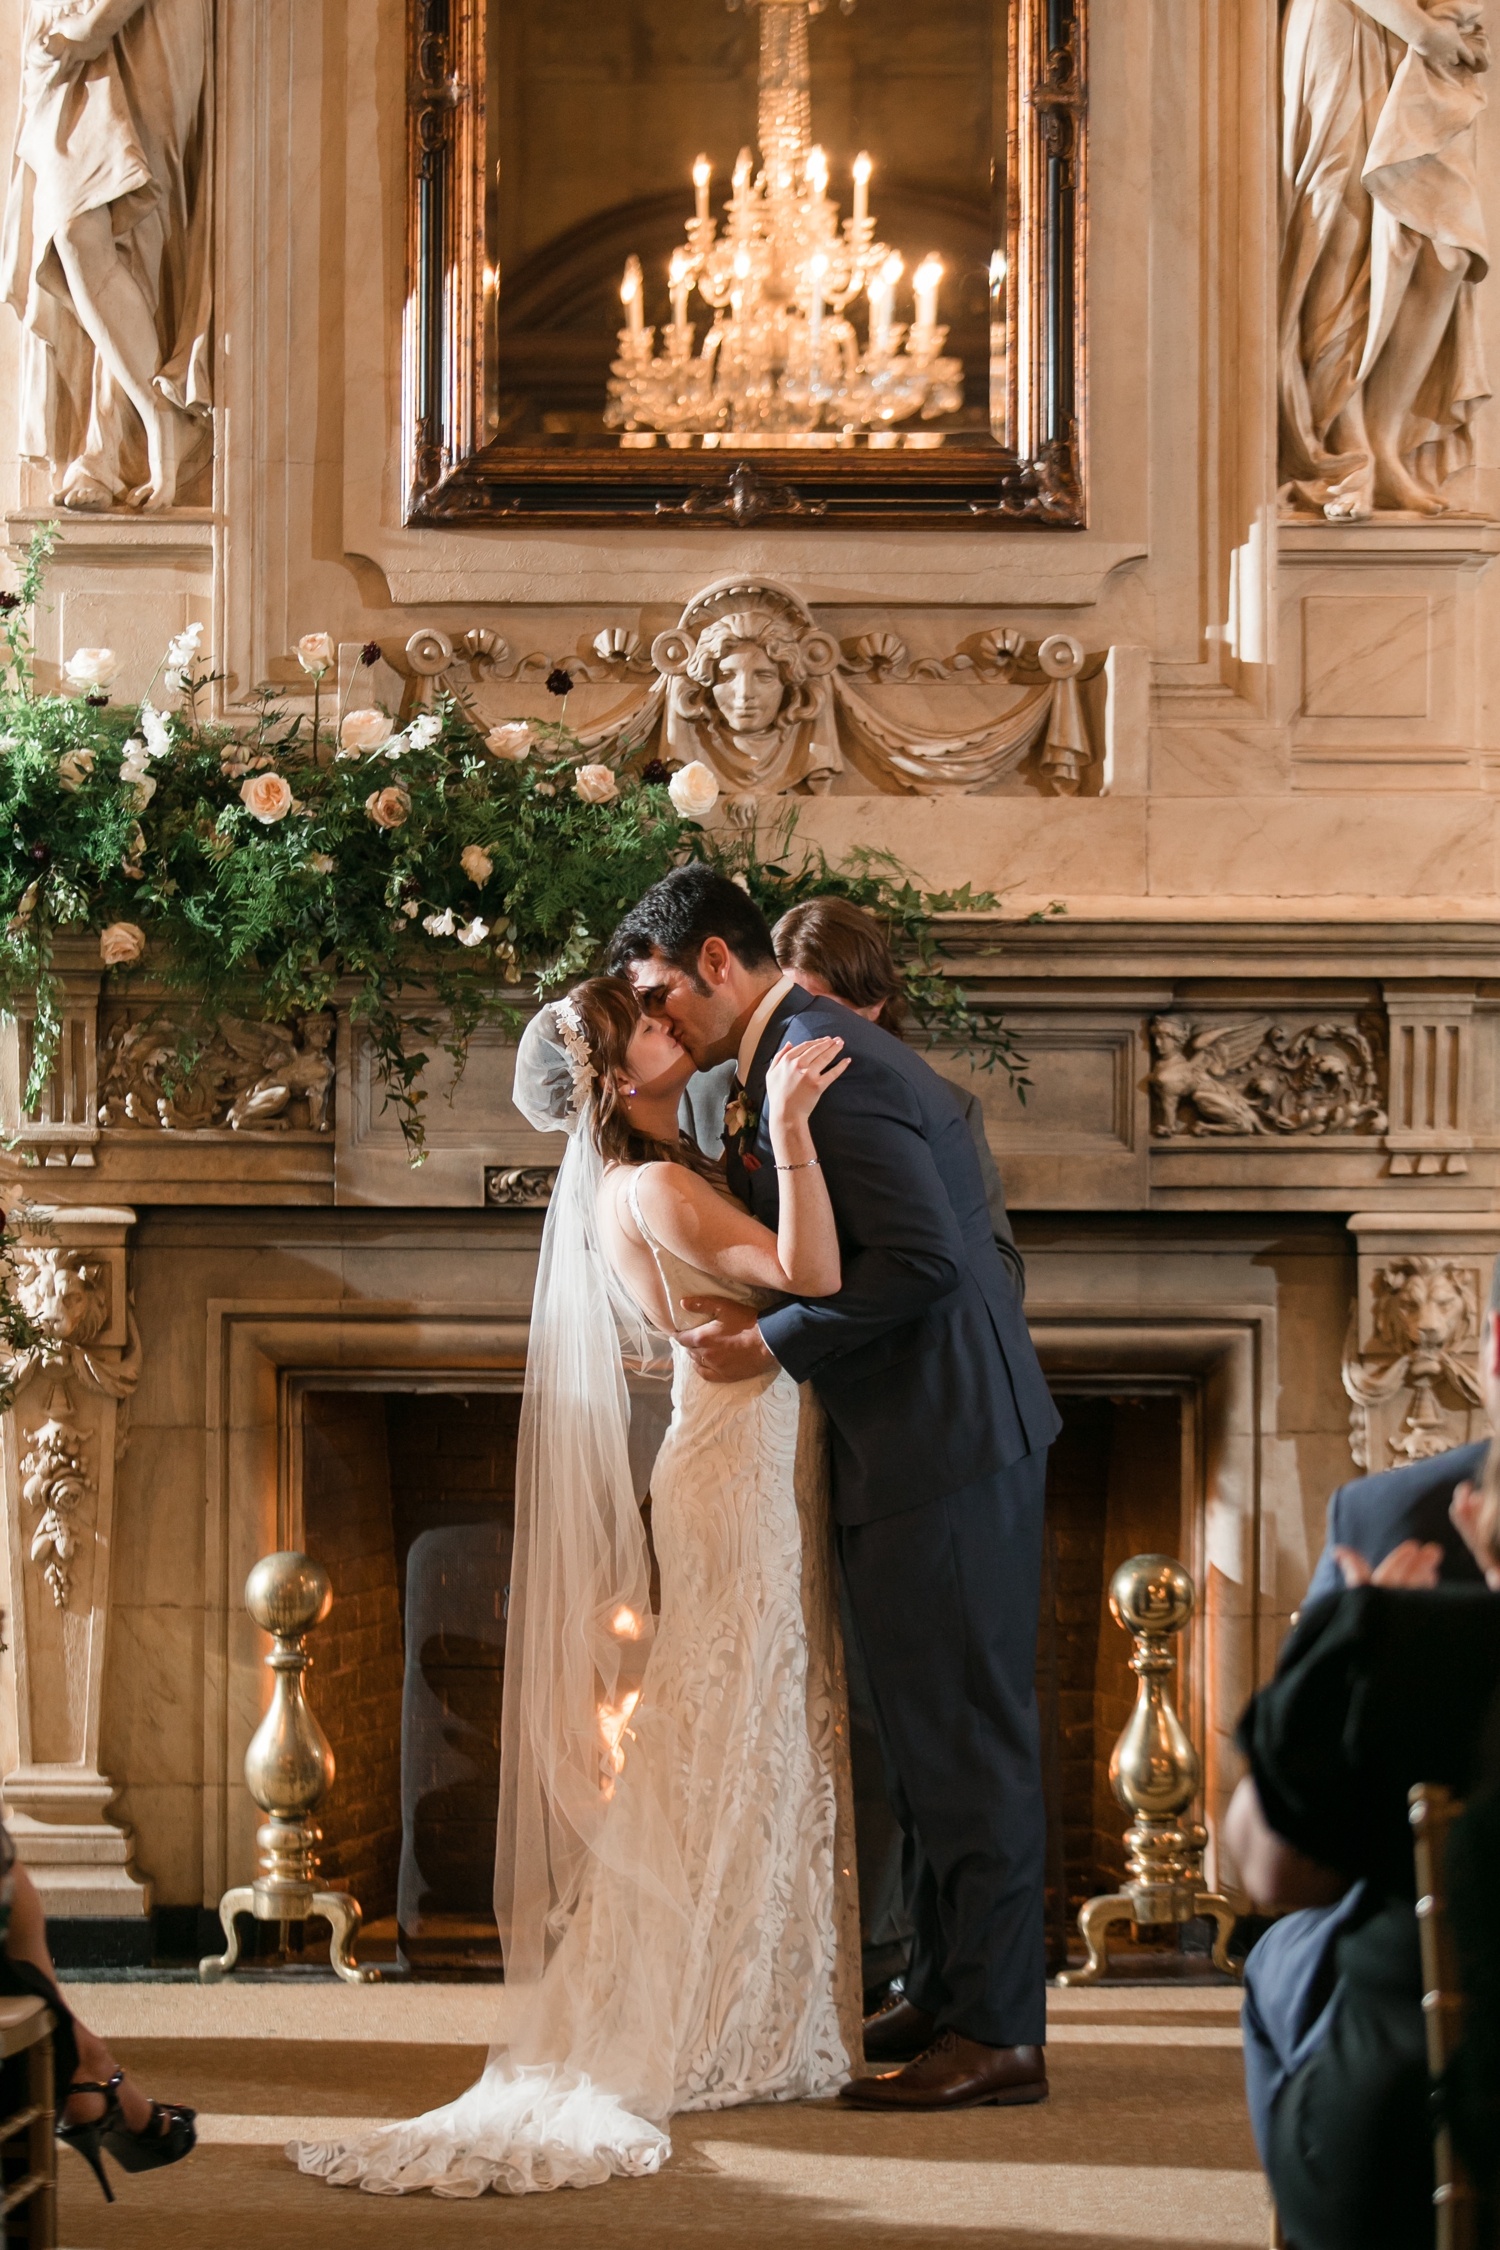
x: 440, y: 861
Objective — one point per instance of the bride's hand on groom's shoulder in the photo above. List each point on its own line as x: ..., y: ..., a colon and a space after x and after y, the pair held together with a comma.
x: 728, y: 1346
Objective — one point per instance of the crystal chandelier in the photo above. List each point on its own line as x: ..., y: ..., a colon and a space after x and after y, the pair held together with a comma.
x: 781, y: 362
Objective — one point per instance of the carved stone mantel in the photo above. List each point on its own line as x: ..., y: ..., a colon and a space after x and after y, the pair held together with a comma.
x: 62, y: 1440
x: 1411, y: 1358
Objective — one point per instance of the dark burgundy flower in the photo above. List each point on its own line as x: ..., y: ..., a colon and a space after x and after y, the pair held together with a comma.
x: 96, y: 702
x: 8, y: 602
x: 559, y: 682
x: 41, y: 853
x: 370, y: 653
x: 657, y: 770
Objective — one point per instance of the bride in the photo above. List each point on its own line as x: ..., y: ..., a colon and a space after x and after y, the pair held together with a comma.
x: 672, y: 1882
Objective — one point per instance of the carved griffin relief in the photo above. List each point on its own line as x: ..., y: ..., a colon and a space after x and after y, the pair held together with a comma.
x: 1257, y: 1077
x: 166, y: 1073
x: 1424, y: 1338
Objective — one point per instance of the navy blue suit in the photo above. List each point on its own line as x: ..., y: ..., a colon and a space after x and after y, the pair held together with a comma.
x: 1374, y: 1514
x: 940, y: 1420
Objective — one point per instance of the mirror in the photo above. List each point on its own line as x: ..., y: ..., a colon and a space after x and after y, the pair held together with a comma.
x: 683, y: 258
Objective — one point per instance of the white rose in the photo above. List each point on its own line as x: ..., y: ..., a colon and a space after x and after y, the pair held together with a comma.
x: 267, y: 796
x: 474, y: 933
x: 476, y: 863
x: 512, y: 741
x: 423, y: 732
x: 158, y: 734
x: 388, y: 808
x: 693, y: 790
x: 74, y: 768
x: 315, y: 654
x: 120, y: 944
x: 363, y: 731
x: 440, y: 925
x: 322, y: 863
x: 596, y: 785
x: 91, y: 668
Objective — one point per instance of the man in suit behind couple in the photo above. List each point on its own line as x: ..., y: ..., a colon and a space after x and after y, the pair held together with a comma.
x: 940, y: 1422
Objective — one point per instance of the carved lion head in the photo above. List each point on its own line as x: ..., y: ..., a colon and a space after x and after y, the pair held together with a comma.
x: 1425, y: 1304
x: 63, y: 1293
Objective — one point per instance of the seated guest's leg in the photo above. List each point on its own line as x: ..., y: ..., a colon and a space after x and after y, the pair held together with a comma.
x: 1290, y: 1987
x: 1349, y: 2143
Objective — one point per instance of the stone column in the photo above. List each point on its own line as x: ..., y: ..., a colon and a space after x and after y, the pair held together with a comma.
x: 63, y: 1436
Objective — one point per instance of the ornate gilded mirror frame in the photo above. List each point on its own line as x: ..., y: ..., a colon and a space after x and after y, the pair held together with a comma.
x: 1037, y: 481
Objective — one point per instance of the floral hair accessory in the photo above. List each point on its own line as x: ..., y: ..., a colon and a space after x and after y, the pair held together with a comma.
x: 575, y: 1044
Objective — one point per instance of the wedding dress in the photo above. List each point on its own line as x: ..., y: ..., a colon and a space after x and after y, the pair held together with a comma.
x: 712, y: 1955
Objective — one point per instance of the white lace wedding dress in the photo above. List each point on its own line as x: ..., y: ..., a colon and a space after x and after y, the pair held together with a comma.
x: 736, y: 1772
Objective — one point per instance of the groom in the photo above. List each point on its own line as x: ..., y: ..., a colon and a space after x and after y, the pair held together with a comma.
x: 940, y: 1422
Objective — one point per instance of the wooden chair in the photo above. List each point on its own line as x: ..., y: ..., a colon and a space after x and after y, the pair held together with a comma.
x: 26, y: 2027
x: 1433, y: 1810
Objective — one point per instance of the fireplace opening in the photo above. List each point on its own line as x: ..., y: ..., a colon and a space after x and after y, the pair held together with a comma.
x: 1114, y: 1489
x: 408, y: 1502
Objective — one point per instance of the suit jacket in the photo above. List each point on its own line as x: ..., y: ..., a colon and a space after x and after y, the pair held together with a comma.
x: 922, y: 1361
x: 702, y: 1115
x: 1374, y: 1514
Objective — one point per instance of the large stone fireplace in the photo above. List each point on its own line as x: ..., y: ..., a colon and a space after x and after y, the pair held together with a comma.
x: 260, y: 1340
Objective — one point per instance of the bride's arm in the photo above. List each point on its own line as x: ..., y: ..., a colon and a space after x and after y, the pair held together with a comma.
x: 708, y: 1230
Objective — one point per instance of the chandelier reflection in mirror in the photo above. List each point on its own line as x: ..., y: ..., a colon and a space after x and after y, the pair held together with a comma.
x: 781, y: 362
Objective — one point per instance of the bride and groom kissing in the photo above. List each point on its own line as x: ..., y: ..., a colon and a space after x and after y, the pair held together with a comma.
x: 674, y: 1875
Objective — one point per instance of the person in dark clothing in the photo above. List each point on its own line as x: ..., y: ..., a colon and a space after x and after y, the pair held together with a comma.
x: 1374, y: 1515
x: 1378, y: 1687
x: 99, y: 2108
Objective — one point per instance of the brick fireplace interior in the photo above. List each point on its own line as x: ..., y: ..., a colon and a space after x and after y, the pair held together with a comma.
x: 408, y: 1503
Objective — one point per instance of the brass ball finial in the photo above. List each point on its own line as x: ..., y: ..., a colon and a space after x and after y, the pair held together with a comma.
x: 1151, y: 1594
x: 288, y: 1594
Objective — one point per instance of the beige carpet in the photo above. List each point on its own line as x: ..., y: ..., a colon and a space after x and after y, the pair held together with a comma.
x: 1144, y: 2144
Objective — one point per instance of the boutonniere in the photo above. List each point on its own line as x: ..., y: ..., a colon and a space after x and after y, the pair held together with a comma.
x: 741, y: 1124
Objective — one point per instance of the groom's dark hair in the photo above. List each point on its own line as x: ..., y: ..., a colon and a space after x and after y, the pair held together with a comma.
x: 678, y: 914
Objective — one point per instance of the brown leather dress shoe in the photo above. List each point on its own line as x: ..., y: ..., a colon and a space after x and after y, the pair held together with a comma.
x: 898, y: 2033
x: 956, y: 2073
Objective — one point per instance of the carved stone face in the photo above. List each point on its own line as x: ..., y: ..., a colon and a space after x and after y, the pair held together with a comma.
x: 1426, y: 1310
x: 67, y: 1300
x: 748, y: 689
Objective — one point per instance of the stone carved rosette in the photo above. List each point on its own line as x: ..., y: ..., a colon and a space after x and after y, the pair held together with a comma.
x: 63, y: 1435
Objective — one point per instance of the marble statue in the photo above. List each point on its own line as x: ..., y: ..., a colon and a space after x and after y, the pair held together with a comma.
x: 106, y: 246
x: 1383, y: 241
x: 749, y: 691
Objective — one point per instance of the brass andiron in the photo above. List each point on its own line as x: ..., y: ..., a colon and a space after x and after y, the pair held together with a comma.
x: 1154, y: 1773
x: 289, y: 1770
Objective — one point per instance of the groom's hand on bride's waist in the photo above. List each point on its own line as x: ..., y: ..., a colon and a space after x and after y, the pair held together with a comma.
x: 728, y: 1346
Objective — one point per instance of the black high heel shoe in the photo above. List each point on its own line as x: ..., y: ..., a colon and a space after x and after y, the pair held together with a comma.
x: 145, y: 2151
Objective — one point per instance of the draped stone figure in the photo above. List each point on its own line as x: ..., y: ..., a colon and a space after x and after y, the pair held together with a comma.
x: 106, y: 253
x: 1383, y: 240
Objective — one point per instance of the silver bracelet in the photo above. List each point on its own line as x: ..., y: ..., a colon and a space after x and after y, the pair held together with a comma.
x: 807, y: 1167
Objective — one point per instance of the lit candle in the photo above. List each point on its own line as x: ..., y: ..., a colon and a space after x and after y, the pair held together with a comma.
x: 741, y: 276
x: 862, y: 170
x: 925, y: 284
x: 681, y: 285
x: 742, y: 167
x: 817, y: 267
x: 630, y: 296
x: 883, y: 302
x: 817, y: 171
x: 703, y: 172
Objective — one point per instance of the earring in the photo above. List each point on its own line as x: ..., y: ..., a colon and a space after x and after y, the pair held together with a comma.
x: 628, y: 1089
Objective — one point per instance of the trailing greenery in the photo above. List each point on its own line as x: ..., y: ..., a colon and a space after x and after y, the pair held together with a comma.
x: 433, y: 869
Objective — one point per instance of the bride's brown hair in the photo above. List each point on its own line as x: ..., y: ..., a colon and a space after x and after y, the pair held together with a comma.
x: 610, y: 1011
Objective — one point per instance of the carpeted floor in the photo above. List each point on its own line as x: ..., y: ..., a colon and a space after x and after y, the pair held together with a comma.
x: 1144, y: 2142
